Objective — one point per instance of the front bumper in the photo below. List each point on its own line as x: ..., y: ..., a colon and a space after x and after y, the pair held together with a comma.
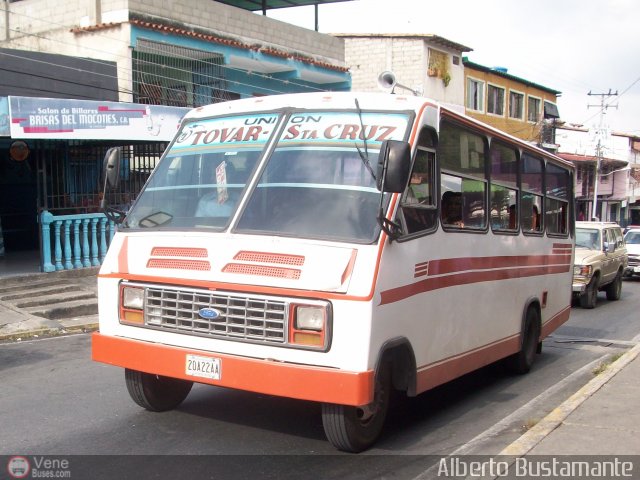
x: 578, y: 287
x: 632, y: 270
x: 304, y: 382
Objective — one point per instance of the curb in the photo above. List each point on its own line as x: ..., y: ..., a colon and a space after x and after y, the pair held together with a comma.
x: 60, y: 274
x: 48, y: 332
x: 553, y: 420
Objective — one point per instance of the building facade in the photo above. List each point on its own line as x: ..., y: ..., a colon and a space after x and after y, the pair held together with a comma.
x: 514, y: 105
x: 607, y: 172
x: 429, y: 65
x: 180, y: 52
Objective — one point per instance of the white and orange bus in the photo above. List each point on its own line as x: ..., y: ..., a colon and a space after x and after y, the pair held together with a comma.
x: 331, y: 247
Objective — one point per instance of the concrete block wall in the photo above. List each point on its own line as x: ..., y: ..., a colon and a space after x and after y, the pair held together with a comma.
x: 44, y: 25
x: 248, y: 27
x: 55, y: 18
x: 368, y: 57
x: 408, y: 58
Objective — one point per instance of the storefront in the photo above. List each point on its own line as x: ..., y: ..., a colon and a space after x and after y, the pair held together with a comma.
x: 51, y: 153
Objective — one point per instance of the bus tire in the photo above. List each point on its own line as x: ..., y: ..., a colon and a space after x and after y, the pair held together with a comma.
x: 590, y: 296
x: 521, y: 362
x: 155, y: 392
x: 614, y: 289
x: 354, y: 429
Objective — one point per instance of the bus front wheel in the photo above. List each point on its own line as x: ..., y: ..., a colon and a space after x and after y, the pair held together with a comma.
x: 354, y: 429
x: 155, y: 392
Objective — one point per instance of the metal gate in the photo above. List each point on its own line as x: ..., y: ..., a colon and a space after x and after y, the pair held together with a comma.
x: 70, y: 176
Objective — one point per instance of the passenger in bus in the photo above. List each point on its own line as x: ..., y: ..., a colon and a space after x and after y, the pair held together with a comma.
x: 535, y: 219
x: 451, y: 207
x: 513, y: 217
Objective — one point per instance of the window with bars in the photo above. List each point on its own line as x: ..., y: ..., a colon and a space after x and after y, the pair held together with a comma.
x: 72, y: 181
x: 178, y: 76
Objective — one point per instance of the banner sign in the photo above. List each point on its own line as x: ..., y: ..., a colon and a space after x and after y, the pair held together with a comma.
x: 33, y: 117
x: 337, y: 129
x: 344, y: 128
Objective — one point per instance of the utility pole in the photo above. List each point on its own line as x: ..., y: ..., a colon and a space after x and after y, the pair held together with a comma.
x: 600, y: 133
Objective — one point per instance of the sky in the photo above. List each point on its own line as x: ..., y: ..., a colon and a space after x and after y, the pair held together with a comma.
x: 573, y: 46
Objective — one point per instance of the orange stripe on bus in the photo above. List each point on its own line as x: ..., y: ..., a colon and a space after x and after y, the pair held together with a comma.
x: 446, y: 370
x: 437, y: 373
x: 320, y: 384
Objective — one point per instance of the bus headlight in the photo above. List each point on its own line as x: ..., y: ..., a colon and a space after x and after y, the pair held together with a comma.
x: 132, y: 305
x: 310, y: 324
x: 133, y: 297
x: 310, y: 318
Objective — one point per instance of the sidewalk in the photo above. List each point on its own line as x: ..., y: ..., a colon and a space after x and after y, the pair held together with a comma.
x: 602, y: 418
x: 43, y: 304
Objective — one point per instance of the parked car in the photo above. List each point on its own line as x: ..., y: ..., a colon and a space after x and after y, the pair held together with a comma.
x: 630, y: 227
x: 600, y: 262
x: 632, y: 241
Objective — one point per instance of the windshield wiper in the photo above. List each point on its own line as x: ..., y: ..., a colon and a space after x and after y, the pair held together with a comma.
x: 364, y: 156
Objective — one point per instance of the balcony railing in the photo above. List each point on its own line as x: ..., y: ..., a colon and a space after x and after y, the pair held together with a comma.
x: 74, y: 241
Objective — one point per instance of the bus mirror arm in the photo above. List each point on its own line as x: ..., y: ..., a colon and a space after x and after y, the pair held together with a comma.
x: 113, y: 214
x: 391, y: 228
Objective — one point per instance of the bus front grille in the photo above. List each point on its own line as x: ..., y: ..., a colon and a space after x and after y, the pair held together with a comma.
x: 217, y: 314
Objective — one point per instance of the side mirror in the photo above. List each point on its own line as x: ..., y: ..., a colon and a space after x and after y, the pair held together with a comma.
x: 111, y: 167
x: 394, y: 165
x: 609, y: 247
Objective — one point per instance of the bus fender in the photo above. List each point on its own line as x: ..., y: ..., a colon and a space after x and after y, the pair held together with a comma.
x: 399, y: 352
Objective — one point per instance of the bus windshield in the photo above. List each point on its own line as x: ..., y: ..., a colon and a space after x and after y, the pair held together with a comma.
x: 318, y: 182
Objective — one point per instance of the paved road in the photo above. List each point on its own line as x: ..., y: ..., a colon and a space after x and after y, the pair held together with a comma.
x: 56, y: 401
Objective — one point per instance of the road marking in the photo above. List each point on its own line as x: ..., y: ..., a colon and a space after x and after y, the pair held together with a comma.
x: 603, y: 342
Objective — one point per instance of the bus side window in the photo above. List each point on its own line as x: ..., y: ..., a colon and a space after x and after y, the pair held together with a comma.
x: 417, y: 204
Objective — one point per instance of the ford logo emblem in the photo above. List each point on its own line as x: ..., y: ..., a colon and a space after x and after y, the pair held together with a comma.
x: 209, y: 313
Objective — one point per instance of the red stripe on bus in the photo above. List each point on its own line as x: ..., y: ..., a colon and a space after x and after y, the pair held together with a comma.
x: 435, y: 283
x: 452, y: 265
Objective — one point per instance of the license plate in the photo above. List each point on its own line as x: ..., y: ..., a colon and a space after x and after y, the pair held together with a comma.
x: 205, y: 367
x: 636, y: 269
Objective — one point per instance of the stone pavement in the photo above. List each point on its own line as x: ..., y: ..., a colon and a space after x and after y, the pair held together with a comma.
x: 42, y: 304
x: 602, y: 418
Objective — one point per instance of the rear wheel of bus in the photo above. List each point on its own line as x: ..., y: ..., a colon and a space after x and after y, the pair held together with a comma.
x: 522, y: 361
x: 155, y: 392
x: 354, y: 429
